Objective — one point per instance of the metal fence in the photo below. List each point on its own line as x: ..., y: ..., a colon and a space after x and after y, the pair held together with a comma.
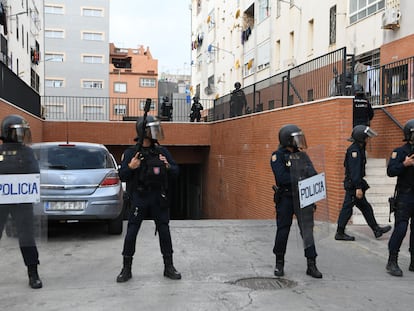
x: 329, y: 75
x: 116, y: 109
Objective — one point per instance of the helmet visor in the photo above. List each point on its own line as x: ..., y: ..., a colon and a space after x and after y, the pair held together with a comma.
x: 370, y: 132
x: 299, y: 140
x: 155, y: 130
x: 20, y: 133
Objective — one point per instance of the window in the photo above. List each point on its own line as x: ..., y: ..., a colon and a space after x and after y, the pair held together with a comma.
x: 120, y: 87
x: 54, y: 34
x: 310, y: 37
x: 263, y: 55
x: 248, y: 66
x: 93, y: 36
x: 92, y: 109
x: 92, y: 59
x: 92, y: 84
x: 53, y: 9
x: 359, y: 9
x: 54, y: 83
x: 92, y: 12
x: 332, y: 25
x: 264, y: 10
x: 146, y: 82
x: 142, y: 105
x: 120, y: 109
x: 211, y: 20
x: 34, y: 80
x: 54, y: 57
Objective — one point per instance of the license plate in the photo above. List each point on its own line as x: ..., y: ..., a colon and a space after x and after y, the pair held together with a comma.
x: 65, y: 206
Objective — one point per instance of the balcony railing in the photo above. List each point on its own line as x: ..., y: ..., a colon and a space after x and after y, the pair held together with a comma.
x: 329, y: 75
x: 73, y: 108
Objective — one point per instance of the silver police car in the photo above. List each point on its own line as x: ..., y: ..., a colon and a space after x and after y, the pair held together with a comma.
x: 79, y: 182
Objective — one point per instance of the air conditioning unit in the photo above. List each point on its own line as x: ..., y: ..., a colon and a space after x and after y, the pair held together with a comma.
x: 391, y: 19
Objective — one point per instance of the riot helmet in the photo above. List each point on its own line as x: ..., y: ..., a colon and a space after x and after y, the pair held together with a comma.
x: 361, y: 132
x: 166, y: 99
x: 409, y: 131
x: 15, y: 129
x: 358, y: 90
x: 237, y: 85
x: 196, y: 99
x: 291, y: 135
x: 153, y: 129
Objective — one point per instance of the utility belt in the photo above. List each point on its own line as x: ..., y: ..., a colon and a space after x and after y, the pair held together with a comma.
x: 280, y: 192
x: 149, y: 188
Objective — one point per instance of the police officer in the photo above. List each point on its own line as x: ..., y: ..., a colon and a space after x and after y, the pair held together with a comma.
x: 355, y: 185
x: 401, y: 164
x: 292, y: 140
x: 146, y: 172
x: 362, y: 109
x: 196, y: 109
x: 166, y: 108
x: 238, y: 101
x: 17, y: 158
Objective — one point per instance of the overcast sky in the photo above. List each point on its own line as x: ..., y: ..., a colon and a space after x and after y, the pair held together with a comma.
x: 162, y: 25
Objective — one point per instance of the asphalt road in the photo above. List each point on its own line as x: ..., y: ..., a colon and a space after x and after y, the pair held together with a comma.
x: 225, y: 264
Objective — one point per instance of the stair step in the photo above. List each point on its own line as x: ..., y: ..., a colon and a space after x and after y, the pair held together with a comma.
x: 382, y: 187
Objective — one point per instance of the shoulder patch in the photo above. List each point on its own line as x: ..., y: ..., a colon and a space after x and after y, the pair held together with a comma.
x: 274, y: 157
x: 394, y: 155
x: 354, y: 154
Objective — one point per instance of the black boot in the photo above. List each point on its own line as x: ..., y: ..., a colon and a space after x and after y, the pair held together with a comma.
x: 280, y: 263
x: 392, y: 265
x: 126, y: 273
x: 379, y: 231
x: 34, y: 280
x: 342, y: 236
x: 169, y: 270
x: 411, y: 268
x: 312, y: 269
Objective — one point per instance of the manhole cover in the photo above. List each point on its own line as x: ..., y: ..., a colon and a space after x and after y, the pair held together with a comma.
x: 264, y: 283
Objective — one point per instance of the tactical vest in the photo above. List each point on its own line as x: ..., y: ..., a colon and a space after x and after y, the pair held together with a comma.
x: 17, y: 159
x: 152, y: 172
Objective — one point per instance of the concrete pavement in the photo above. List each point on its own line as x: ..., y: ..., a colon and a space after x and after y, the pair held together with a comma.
x: 225, y: 264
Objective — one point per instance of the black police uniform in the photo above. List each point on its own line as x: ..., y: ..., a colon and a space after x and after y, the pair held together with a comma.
x: 355, y: 161
x: 405, y: 198
x: 195, y: 111
x: 281, y: 165
x: 362, y: 110
x: 167, y: 108
x: 148, y: 189
x: 17, y: 158
x: 237, y: 103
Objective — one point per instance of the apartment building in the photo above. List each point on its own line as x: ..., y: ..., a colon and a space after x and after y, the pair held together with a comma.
x: 133, y: 77
x: 21, y: 26
x: 251, y: 40
x: 76, y: 58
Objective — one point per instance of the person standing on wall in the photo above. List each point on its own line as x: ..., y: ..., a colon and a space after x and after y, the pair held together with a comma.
x: 362, y: 110
x: 238, y: 101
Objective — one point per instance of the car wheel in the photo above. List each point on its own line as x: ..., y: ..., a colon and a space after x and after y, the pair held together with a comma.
x: 115, y: 225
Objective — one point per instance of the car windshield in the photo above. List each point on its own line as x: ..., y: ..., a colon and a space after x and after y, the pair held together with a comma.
x: 72, y: 157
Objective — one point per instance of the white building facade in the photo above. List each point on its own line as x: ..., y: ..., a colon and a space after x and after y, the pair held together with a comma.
x: 252, y: 40
x: 21, y: 32
x: 76, y: 57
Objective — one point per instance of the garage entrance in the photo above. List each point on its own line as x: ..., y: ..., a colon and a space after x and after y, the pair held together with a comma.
x: 186, y: 199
